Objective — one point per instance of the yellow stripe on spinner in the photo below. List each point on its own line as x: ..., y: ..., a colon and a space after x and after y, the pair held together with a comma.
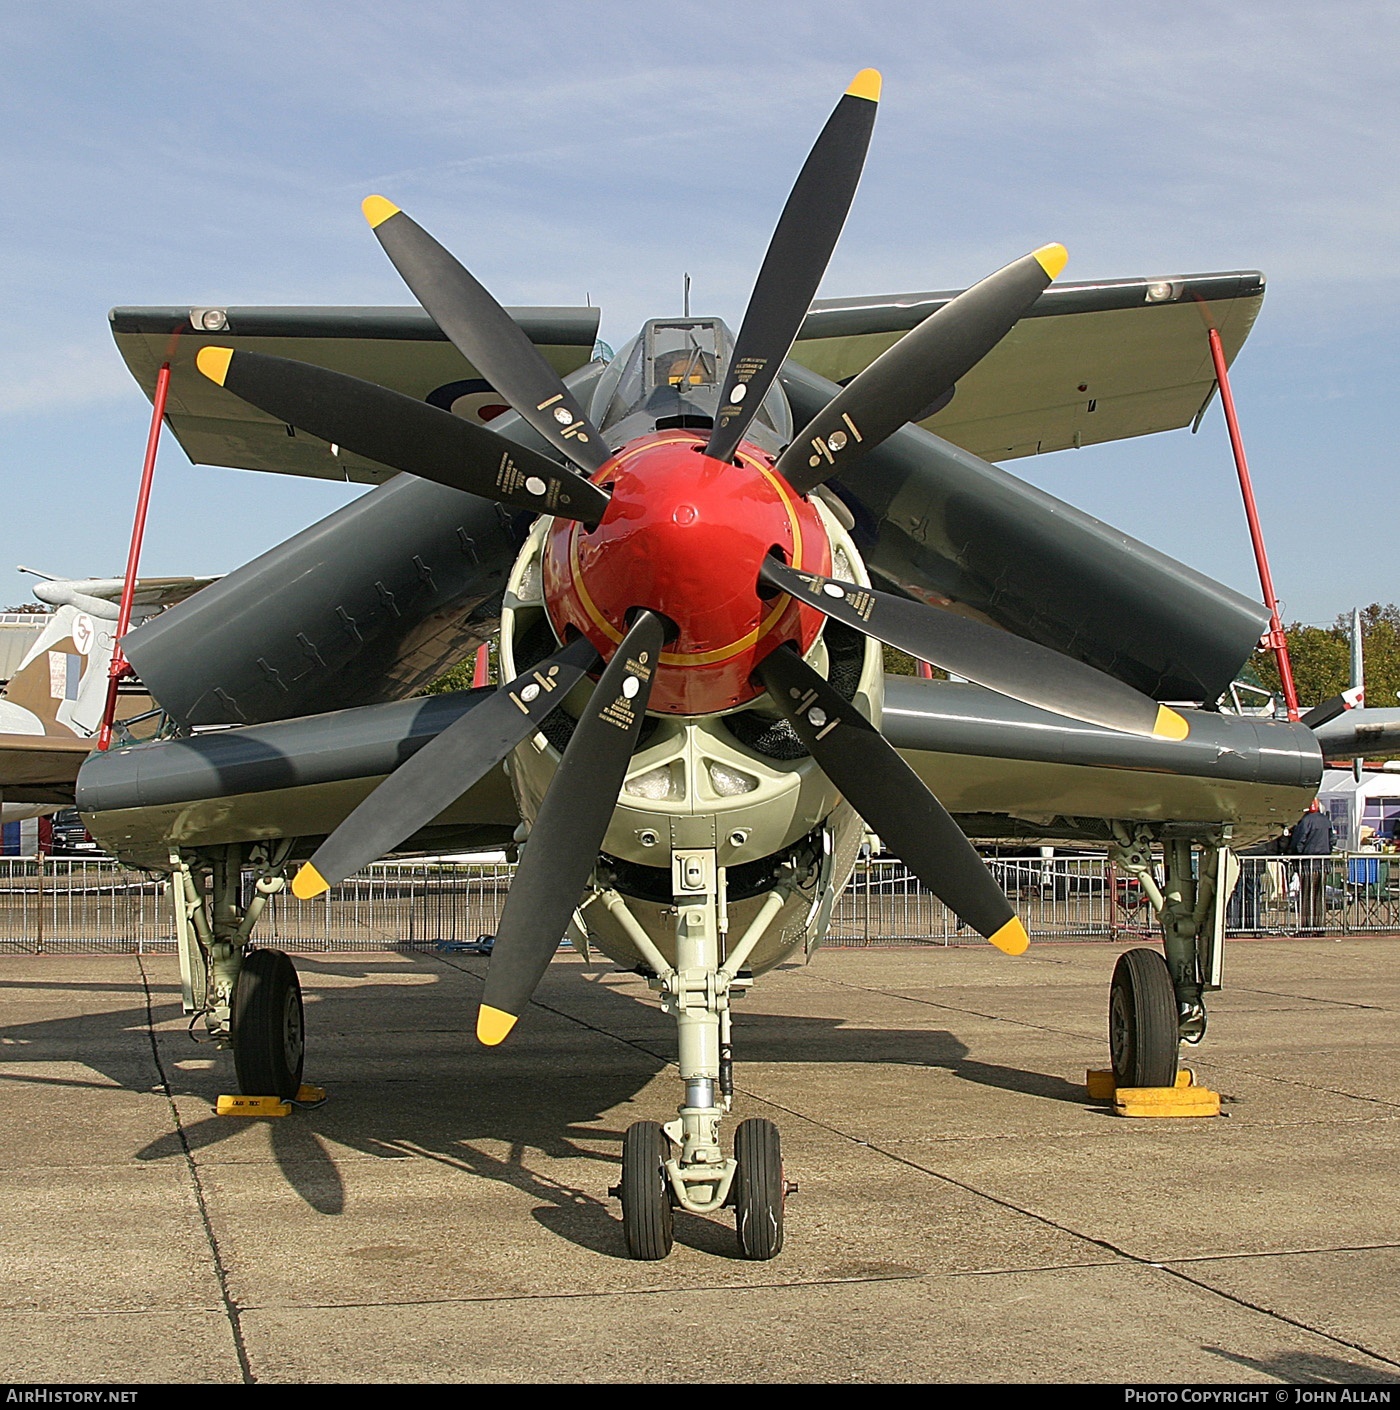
x: 309, y: 882
x: 493, y: 1024
x: 377, y: 210
x: 866, y: 84
x: 1170, y: 725
x: 213, y: 362
x: 1011, y: 939
x: 1052, y: 259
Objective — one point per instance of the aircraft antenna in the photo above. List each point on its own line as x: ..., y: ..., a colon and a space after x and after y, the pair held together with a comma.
x: 686, y: 299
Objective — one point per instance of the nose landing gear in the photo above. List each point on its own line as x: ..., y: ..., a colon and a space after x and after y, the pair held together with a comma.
x: 682, y: 1163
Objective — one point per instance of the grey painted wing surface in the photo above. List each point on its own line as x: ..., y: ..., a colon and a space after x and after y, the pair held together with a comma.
x: 942, y: 526
x: 370, y: 604
x: 399, y: 348
x: 1090, y: 362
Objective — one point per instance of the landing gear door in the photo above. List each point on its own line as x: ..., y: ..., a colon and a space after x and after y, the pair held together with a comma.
x: 1211, y: 938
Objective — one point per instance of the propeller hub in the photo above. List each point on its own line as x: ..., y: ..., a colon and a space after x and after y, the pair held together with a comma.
x: 685, y: 536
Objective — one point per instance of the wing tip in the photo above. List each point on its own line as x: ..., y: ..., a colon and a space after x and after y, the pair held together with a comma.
x: 1011, y: 939
x: 1170, y: 725
x: 492, y: 1025
x: 213, y: 362
x: 866, y: 84
x: 1052, y: 259
x: 377, y: 210
x: 309, y: 883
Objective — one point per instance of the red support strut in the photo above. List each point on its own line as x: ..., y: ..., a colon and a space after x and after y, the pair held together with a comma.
x: 1274, y: 638
x: 120, y: 666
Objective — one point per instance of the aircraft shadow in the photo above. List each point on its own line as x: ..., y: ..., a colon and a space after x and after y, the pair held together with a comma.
x: 1308, y: 1368
x: 488, y: 1115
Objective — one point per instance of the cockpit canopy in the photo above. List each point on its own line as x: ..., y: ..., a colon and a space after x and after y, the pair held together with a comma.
x: 671, y: 375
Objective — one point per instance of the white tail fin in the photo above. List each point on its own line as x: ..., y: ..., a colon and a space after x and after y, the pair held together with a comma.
x: 61, y: 684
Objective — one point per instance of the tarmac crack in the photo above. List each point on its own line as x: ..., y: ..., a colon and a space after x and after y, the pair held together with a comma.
x: 1157, y: 1265
x: 1309, y: 999
x: 231, y: 1308
x: 945, y: 1007
x: 1113, y: 1250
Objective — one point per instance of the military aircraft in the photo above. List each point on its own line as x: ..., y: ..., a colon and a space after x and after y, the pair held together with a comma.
x: 692, y: 553
x: 51, y: 708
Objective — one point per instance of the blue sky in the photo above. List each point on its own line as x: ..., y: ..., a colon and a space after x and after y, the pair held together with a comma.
x: 195, y: 153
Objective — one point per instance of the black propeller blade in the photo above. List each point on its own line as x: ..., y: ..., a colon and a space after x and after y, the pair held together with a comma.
x: 406, y: 434
x: 887, y: 793
x: 797, y: 258
x: 485, y: 334
x: 564, y: 842
x: 1010, y: 664
x: 921, y: 367
x: 444, y: 769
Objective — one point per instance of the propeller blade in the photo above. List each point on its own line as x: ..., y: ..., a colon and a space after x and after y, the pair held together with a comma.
x: 887, y: 793
x: 564, y: 842
x: 406, y: 434
x: 919, y: 369
x: 998, y: 660
x: 444, y: 769
x: 797, y: 257
x: 486, y: 335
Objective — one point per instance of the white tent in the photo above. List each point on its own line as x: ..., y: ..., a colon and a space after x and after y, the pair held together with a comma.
x: 1373, y: 803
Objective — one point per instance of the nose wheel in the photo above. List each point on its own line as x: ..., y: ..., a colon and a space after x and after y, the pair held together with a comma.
x: 759, y: 1189
x: 269, y: 1036
x: 646, y: 1191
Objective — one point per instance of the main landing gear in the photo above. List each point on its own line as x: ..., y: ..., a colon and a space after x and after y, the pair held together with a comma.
x: 1157, y: 1003
x: 1142, y: 1022
x: 269, y: 1035
x: 681, y: 1164
x: 248, y: 998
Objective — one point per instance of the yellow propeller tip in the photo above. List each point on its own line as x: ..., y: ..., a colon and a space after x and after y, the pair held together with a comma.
x: 309, y: 882
x: 866, y: 84
x: 492, y: 1025
x: 1052, y: 259
x: 1170, y: 725
x: 213, y: 362
x: 377, y: 210
x: 1011, y: 939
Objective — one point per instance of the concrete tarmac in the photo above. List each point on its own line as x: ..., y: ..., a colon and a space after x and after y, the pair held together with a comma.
x: 965, y: 1213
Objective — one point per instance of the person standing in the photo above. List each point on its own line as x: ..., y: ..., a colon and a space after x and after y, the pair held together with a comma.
x: 1311, y: 842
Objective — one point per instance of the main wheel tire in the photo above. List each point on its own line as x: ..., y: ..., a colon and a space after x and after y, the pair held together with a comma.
x: 269, y: 1035
x: 646, y: 1191
x: 759, y: 1189
x: 1142, y: 1021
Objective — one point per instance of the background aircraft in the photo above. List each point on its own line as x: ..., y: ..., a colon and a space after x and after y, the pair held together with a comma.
x: 691, y: 553
x: 52, y: 706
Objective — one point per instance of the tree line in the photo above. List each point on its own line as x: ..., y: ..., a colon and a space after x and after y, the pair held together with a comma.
x: 1321, y: 658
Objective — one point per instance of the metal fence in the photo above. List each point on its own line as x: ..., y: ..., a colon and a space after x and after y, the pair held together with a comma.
x: 91, y: 905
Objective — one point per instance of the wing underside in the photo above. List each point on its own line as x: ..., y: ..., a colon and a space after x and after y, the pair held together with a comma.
x: 1090, y: 363
x: 398, y: 348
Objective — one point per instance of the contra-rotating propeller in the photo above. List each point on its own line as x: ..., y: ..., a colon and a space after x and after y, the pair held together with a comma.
x: 578, y: 805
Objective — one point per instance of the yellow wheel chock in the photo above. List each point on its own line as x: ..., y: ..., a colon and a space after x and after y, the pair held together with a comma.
x: 1185, y: 1099
x: 307, y: 1095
